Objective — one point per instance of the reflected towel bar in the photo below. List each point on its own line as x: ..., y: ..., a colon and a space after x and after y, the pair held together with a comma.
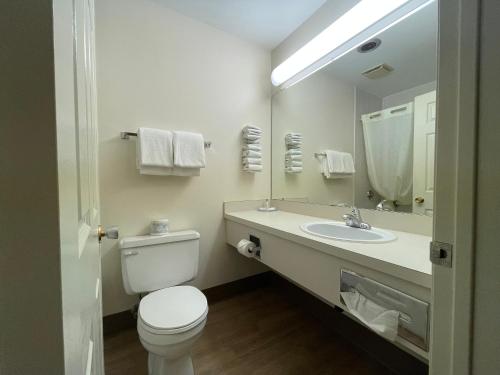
x: 127, y: 135
x: 318, y: 154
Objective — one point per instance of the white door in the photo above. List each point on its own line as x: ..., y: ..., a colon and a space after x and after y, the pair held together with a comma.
x: 74, y: 52
x: 424, y: 136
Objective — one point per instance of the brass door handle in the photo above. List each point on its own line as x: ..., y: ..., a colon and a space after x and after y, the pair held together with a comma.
x: 111, y: 233
x: 419, y: 200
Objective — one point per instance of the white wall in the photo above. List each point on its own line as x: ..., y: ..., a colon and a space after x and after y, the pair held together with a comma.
x: 322, y: 109
x: 159, y: 68
x: 407, y: 96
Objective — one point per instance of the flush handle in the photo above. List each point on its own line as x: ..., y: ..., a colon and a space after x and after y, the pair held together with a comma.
x: 131, y: 253
x: 419, y: 200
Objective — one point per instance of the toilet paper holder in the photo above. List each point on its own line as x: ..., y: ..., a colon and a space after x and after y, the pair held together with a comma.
x: 258, y: 248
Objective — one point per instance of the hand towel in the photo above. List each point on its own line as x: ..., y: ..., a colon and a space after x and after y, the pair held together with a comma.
x: 335, y: 161
x: 189, y: 150
x: 154, y: 148
x: 294, y: 152
x: 256, y: 161
x: 348, y: 163
x: 252, y: 147
x: 175, y: 171
x: 252, y: 168
x: 252, y: 154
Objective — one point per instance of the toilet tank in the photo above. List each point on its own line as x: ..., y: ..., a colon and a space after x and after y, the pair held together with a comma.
x: 150, y: 263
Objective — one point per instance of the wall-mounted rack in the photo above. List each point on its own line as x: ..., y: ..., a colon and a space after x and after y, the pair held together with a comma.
x: 127, y: 135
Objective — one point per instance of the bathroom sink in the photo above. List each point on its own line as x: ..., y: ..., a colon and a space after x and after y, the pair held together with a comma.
x: 337, y: 230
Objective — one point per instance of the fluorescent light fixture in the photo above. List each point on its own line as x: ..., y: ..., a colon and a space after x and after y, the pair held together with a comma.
x: 362, y: 22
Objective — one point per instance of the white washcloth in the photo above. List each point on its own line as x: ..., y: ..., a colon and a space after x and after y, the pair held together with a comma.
x: 252, y: 154
x: 293, y: 163
x: 189, y: 150
x: 154, y: 148
x: 252, y: 147
x: 294, y: 152
x: 379, y: 319
x: 252, y: 168
x: 252, y: 128
x: 293, y: 169
x: 256, y: 161
x: 251, y: 137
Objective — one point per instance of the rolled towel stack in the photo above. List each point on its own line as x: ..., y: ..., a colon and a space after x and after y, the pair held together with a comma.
x: 293, y: 154
x: 252, y: 149
x: 293, y: 140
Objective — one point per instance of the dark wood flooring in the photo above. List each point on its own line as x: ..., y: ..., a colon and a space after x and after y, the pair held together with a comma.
x: 257, y: 332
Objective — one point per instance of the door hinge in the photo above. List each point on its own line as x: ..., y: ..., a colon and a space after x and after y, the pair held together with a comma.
x: 441, y: 253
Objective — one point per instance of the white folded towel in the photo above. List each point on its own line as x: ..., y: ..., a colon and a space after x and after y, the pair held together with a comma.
x: 252, y: 168
x: 252, y: 154
x: 293, y: 169
x: 250, y: 138
x: 252, y: 147
x: 294, y: 134
x: 293, y: 157
x: 337, y: 164
x: 154, y: 148
x: 256, y: 161
x: 294, y: 152
x: 252, y: 128
x: 189, y: 150
x: 175, y: 171
x: 293, y: 163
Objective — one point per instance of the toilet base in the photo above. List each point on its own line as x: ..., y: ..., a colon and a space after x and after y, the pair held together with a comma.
x: 162, y: 366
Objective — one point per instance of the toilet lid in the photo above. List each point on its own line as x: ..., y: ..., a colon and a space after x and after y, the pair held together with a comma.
x: 173, y: 308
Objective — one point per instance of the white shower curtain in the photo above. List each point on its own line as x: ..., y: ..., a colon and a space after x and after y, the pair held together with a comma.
x: 389, y: 152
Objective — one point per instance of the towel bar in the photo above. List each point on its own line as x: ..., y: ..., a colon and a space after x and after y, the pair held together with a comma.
x: 318, y: 154
x: 127, y: 135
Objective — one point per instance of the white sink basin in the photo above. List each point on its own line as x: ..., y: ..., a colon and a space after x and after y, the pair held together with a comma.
x: 337, y: 230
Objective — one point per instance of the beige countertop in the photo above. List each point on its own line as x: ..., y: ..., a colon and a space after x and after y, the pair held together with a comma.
x: 407, y: 257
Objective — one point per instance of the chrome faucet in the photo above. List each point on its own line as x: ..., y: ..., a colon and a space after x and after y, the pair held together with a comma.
x: 354, y: 220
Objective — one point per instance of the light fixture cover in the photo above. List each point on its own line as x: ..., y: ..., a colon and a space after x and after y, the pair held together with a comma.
x: 362, y: 22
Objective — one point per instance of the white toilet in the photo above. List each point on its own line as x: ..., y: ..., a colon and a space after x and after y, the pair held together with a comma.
x: 171, y: 318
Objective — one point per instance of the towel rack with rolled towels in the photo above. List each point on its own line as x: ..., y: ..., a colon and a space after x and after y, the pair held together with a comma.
x: 127, y: 135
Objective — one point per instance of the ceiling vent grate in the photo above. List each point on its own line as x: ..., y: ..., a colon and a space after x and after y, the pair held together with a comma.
x: 378, y: 71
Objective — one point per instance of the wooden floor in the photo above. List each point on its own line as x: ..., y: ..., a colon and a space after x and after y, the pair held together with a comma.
x: 258, y: 332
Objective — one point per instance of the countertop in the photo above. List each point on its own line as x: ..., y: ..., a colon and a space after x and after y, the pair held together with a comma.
x: 406, y: 257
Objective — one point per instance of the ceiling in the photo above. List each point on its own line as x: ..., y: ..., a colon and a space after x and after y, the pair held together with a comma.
x: 265, y: 22
x: 410, y: 47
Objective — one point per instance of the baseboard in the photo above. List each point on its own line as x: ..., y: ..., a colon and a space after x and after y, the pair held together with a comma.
x: 376, y: 347
x: 125, y: 320
x: 118, y: 322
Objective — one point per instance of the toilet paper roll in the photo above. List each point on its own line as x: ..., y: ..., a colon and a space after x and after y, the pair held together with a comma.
x: 246, y: 247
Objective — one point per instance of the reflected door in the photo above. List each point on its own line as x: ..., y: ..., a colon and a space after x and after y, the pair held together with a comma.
x: 423, y: 153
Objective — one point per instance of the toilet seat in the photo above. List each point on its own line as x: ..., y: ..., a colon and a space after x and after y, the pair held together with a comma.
x: 173, y: 310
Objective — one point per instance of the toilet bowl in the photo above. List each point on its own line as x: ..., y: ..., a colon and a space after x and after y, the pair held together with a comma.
x: 169, y: 322
x: 172, y: 316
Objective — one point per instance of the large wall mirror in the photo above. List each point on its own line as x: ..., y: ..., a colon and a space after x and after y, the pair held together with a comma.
x: 360, y: 131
